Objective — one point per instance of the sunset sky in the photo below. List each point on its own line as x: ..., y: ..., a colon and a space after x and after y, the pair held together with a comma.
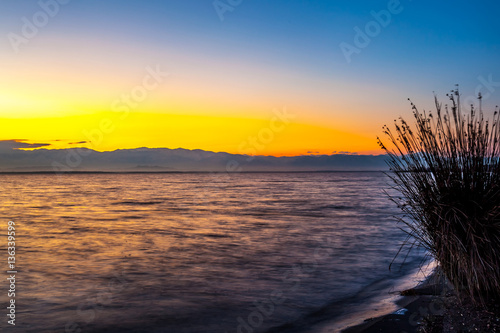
x: 254, y: 77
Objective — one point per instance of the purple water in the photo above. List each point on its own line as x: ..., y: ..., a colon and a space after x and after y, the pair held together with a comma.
x: 194, y: 252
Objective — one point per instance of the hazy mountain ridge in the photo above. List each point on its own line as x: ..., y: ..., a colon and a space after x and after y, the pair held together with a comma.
x: 164, y: 159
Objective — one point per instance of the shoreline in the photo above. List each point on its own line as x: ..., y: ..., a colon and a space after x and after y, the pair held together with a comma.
x: 375, y: 302
x: 435, y: 307
x: 427, y: 298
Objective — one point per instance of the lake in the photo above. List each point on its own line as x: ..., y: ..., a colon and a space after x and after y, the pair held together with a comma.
x: 199, y: 252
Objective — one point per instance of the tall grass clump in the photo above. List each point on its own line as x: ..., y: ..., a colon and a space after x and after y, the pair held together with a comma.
x: 446, y: 170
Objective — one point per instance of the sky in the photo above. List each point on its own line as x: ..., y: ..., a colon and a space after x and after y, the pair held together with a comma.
x: 281, y: 78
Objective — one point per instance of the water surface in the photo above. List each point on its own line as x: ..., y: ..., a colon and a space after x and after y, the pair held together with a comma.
x: 196, y: 252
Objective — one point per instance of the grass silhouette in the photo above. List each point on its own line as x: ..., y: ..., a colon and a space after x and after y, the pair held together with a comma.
x: 446, y: 170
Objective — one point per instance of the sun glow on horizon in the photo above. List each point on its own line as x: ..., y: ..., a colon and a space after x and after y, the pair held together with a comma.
x: 214, y: 85
x: 278, y: 135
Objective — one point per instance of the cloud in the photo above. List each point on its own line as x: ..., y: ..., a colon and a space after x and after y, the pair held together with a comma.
x: 77, y: 143
x: 9, y: 145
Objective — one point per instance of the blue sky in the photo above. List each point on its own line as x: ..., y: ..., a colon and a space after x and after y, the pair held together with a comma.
x: 274, y: 52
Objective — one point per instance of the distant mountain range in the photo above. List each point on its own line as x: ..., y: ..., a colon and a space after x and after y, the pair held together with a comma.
x: 174, y: 160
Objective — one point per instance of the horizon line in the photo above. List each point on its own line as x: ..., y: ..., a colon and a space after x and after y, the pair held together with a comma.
x: 195, y: 149
x: 158, y: 172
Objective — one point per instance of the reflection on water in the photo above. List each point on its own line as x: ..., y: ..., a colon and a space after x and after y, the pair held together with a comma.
x: 194, y: 252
